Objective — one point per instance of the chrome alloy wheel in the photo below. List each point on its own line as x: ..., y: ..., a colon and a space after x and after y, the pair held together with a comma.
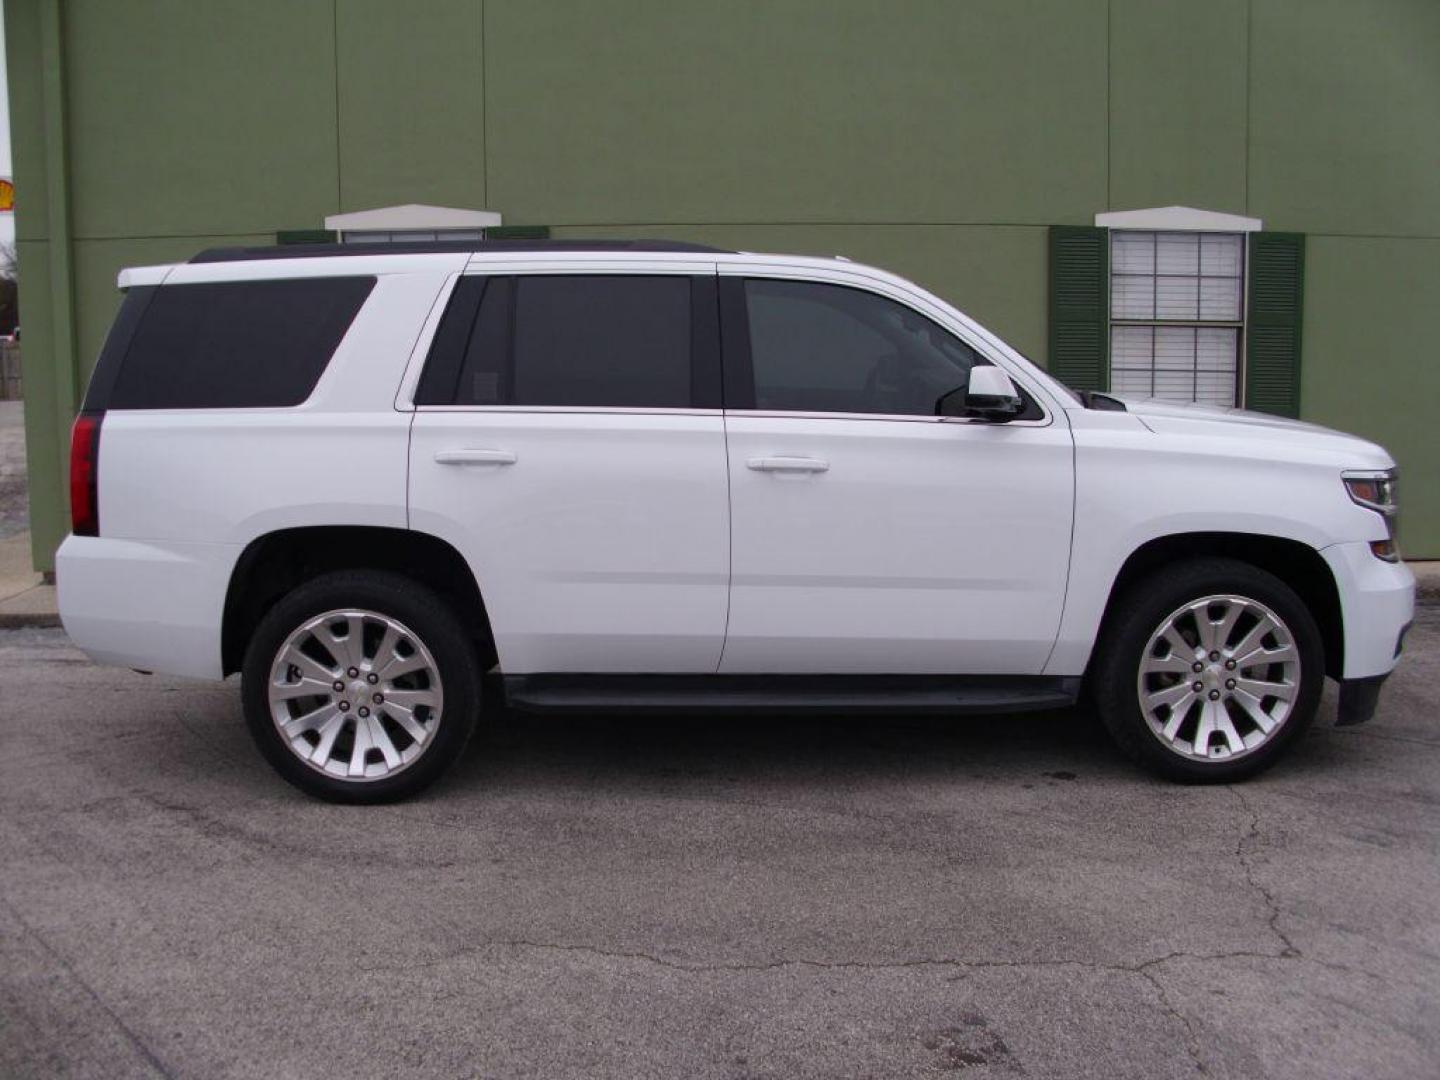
x: 355, y: 694
x: 1218, y: 678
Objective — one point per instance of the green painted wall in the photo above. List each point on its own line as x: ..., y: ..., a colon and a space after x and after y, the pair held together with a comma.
x: 936, y: 137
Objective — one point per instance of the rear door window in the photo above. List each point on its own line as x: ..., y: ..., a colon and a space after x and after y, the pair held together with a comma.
x: 581, y: 340
x: 235, y: 344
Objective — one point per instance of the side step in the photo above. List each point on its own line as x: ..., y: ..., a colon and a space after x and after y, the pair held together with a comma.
x: 953, y: 694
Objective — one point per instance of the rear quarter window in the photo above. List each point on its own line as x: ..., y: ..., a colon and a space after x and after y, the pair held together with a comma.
x: 233, y: 344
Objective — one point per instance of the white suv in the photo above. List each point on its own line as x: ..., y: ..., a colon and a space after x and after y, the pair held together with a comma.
x: 651, y: 475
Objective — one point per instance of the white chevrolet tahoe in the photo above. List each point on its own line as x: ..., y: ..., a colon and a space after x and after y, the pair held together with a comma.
x: 614, y: 476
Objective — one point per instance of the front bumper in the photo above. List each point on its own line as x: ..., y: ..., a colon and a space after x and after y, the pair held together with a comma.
x: 1377, y: 604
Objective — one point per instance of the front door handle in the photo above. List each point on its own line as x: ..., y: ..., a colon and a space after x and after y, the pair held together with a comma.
x: 787, y: 464
x: 474, y: 457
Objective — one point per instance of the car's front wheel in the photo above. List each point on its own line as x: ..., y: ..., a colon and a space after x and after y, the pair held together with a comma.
x: 361, y: 686
x: 1209, y: 670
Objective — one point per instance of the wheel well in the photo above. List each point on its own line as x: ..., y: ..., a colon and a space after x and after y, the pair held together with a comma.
x: 1298, y: 565
x: 272, y: 565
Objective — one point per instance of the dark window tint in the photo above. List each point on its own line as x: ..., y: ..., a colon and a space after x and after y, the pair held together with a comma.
x: 486, y: 377
x: 828, y: 348
x: 236, y: 344
x: 452, y: 337
x: 592, y: 340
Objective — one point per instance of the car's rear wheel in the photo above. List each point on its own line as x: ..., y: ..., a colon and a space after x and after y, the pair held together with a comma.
x: 361, y: 686
x: 1209, y: 670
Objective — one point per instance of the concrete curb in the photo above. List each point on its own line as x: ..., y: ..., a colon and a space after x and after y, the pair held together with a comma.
x: 21, y: 620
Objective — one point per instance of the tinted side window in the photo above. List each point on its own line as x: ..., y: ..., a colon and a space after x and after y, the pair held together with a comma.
x: 236, y: 344
x: 594, y: 340
x: 828, y: 348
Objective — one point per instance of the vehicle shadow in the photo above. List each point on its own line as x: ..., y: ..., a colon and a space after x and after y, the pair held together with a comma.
x: 615, y: 751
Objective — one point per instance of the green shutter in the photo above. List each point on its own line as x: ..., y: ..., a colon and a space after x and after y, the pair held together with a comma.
x: 1272, y: 332
x: 1080, y: 306
x: 305, y: 236
x: 518, y: 232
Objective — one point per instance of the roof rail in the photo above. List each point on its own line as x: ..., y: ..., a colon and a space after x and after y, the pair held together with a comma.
x: 422, y: 247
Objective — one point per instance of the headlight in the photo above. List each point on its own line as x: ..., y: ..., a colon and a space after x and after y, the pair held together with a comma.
x: 1377, y: 491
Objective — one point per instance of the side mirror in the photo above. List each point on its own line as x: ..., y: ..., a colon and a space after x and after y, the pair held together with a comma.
x: 990, y: 395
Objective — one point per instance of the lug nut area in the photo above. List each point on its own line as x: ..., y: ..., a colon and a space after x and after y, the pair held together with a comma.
x: 372, y: 678
x: 344, y: 706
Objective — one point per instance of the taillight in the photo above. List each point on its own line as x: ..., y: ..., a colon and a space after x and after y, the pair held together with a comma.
x: 84, y: 471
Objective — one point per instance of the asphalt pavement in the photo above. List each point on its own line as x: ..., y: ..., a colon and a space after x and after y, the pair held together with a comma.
x: 753, y: 897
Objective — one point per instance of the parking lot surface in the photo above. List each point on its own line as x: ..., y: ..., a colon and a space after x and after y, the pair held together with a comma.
x: 758, y: 897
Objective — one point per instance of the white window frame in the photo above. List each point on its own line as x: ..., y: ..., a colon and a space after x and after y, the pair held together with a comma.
x: 1185, y: 219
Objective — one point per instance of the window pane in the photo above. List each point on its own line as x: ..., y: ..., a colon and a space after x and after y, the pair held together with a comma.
x: 1220, y: 299
x: 1132, y: 253
x: 1132, y: 297
x: 236, y: 344
x: 827, y: 348
x: 1176, y: 297
x: 1221, y: 253
x: 1176, y: 363
x: 1177, y: 253
x: 621, y: 341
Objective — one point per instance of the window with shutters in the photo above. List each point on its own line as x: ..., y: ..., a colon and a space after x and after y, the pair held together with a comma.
x: 1177, y: 314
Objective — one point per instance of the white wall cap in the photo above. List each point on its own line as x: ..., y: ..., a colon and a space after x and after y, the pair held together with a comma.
x: 412, y: 216
x: 1177, y: 219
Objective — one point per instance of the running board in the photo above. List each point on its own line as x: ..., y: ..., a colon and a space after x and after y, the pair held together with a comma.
x: 952, y: 694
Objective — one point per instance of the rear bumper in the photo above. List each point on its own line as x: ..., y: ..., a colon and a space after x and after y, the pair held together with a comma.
x: 152, y: 605
x: 1377, y: 603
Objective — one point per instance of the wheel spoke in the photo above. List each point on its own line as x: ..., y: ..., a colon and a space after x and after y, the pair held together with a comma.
x: 406, y: 719
x: 1169, y: 696
x: 308, y: 666
x: 409, y: 699
x: 1178, y: 713
x: 306, y: 687
x: 380, y: 738
x: 385, y: 651
x: 1251, y: 641
x: 1226, y: 626
x: 360, y: 750
x: 328, y: 732
x: 298, y: 725
x: 1203, y: 727
x: 1178, y: 645
x: 1205, y: 627
x: 1168, y: 665
x: 1226, y: 727
x: 1259, y: 655
x: 1261, y: 689
x: 1251, y: 704
x: 403, y: 665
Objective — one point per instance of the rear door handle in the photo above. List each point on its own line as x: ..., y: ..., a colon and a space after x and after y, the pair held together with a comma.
x: 474, y: 457
x: 787, y: 464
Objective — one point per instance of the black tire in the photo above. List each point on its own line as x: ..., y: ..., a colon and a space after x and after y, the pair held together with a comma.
x: 1138, y: 614
x: 438, y: 630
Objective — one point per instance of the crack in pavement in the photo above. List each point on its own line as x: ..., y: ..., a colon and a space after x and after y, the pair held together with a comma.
x: 1289, y: 948
x: 138, y: 1043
